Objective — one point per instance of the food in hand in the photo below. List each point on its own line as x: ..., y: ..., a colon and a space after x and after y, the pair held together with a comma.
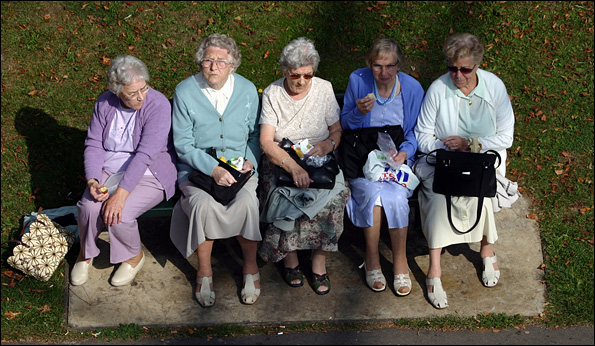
x: 371, y: 96
x: 103, y: 189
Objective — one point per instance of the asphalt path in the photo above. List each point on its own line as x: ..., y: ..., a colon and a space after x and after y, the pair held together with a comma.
x: 531, y: 335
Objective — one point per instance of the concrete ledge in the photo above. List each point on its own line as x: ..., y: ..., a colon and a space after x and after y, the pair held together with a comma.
x: 163, y: 292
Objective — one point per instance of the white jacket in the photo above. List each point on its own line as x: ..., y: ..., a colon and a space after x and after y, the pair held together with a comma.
x: 439, y: 115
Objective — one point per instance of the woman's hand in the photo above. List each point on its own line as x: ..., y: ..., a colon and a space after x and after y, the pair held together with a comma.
x: 222, y: 177
x: 113, y: 207
x: 456, y: 143
x: 400, y: 158
x: 300, y: 176
x: 94, y: 187
x: 365, y: 104
x: 248, y: 166
x: 321, y: 148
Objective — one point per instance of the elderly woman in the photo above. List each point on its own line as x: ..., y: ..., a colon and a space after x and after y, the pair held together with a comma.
x: 379, y: 96
x: 128, y: 139
x: 300, y: 106
x: 465, y: 102
x: 216, y: 108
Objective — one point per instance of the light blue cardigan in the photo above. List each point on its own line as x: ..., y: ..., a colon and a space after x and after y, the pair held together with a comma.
x: 361, y: 83
x: 198, y: 126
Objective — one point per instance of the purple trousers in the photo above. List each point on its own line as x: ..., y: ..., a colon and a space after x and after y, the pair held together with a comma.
x: 124, y: 237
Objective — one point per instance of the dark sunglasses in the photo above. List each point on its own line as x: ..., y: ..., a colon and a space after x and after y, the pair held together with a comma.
x: 464, y: 70
x: 298, y: 76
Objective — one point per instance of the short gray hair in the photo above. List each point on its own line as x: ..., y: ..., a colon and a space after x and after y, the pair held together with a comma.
x: 220, y: 41
x: 299, y: 52
x: 124, y: 70
x: 463, y: 45
x: 384, y: 47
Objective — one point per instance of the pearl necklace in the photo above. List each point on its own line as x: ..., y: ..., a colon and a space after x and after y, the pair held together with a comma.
x: 392, y: 93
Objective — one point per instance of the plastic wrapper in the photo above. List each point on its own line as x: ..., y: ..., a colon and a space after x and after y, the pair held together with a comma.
x: 302, y: 148
x: 317, y: 161
x: 388, y: 148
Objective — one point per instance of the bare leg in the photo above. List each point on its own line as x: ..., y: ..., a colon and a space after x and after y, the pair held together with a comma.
x: 204, y: 262
x: 398, y: 240
x: 249, y: 248
x: 372, y: 237
x: 487, y: 251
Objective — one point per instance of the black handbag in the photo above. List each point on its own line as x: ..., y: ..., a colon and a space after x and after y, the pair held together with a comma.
x: 356, y: 144
x: 222, y: 194
x: 465, y: 174
x: 324, y: 177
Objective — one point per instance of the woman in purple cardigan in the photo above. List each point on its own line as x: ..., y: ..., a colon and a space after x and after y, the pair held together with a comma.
x: 128, y: 150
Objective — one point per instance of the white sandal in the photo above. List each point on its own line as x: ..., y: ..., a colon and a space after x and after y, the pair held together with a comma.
x: 374, y: 276
x: 402, y: 280
x: 438, y: 296
x: 490, y: 276
x: 250, y: 293
x: 205, y: 296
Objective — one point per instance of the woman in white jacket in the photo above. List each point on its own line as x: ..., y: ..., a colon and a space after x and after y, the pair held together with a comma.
x: 462, y: 104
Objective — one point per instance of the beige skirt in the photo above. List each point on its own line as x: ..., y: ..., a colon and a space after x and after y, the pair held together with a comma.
x: 197, y: 217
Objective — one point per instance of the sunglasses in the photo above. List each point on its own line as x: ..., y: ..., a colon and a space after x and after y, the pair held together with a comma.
x: 464, y: 70
x: 298, y: 76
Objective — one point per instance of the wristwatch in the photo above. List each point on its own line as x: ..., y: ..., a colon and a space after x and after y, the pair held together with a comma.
x: 333, y: 142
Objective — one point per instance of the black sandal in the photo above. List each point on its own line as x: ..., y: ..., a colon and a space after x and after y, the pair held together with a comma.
x: 292, y: 274
x: 320, y: 280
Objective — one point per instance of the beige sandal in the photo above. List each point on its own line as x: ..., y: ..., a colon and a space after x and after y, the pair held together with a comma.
x: 489, y: 276
x: 438, y: 296
x: 250, y: 293
x: 374, y: 276
x: 205, y: 296
x: 402, y: 280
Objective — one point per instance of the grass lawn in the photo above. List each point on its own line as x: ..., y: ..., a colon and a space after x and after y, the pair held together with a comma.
x: 55, y: 56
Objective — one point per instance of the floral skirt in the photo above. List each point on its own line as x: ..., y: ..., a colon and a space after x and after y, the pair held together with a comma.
x: 321, y: 232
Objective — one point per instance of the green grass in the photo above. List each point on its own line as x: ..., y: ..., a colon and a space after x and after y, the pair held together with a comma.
x: 55, y: 56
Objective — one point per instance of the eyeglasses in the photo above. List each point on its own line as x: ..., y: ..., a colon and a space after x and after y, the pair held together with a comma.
x: 389, y: 68
x: 207, y: 63
x: 464, y: 70
x: 135, y: 94
x: 298, y: 76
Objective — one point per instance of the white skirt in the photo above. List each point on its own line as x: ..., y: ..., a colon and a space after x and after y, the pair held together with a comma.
x: 434, y: 217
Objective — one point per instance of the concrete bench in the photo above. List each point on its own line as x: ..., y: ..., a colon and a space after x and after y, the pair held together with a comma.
x: 165, y: 208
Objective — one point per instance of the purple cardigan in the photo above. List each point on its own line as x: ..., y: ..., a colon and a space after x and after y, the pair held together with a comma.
x: 152, y: 141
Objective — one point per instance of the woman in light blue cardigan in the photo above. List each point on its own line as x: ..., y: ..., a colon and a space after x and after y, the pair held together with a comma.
x: 216, y: 108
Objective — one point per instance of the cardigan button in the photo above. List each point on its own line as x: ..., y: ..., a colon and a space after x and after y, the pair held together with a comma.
x: 220, y: 119
x: 221, y: 136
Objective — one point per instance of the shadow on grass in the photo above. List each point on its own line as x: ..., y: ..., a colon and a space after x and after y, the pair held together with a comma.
x: 55, y: 158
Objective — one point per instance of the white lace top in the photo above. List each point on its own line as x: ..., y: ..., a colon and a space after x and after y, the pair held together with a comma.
x: 308, y: 118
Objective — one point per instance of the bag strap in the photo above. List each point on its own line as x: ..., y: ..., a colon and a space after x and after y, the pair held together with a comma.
x: 479, y: 206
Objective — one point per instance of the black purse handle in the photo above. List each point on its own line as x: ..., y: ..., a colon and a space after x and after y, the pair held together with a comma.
x: 449, y: 197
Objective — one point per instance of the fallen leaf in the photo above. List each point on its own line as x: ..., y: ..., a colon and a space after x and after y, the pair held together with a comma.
x: 44, y: 309
x: 32, y: 93
x: 10, y: 315
x: 47, y: 16
x: 266, y: 54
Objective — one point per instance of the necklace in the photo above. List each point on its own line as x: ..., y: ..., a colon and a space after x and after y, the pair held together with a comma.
x: 392, y: 93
